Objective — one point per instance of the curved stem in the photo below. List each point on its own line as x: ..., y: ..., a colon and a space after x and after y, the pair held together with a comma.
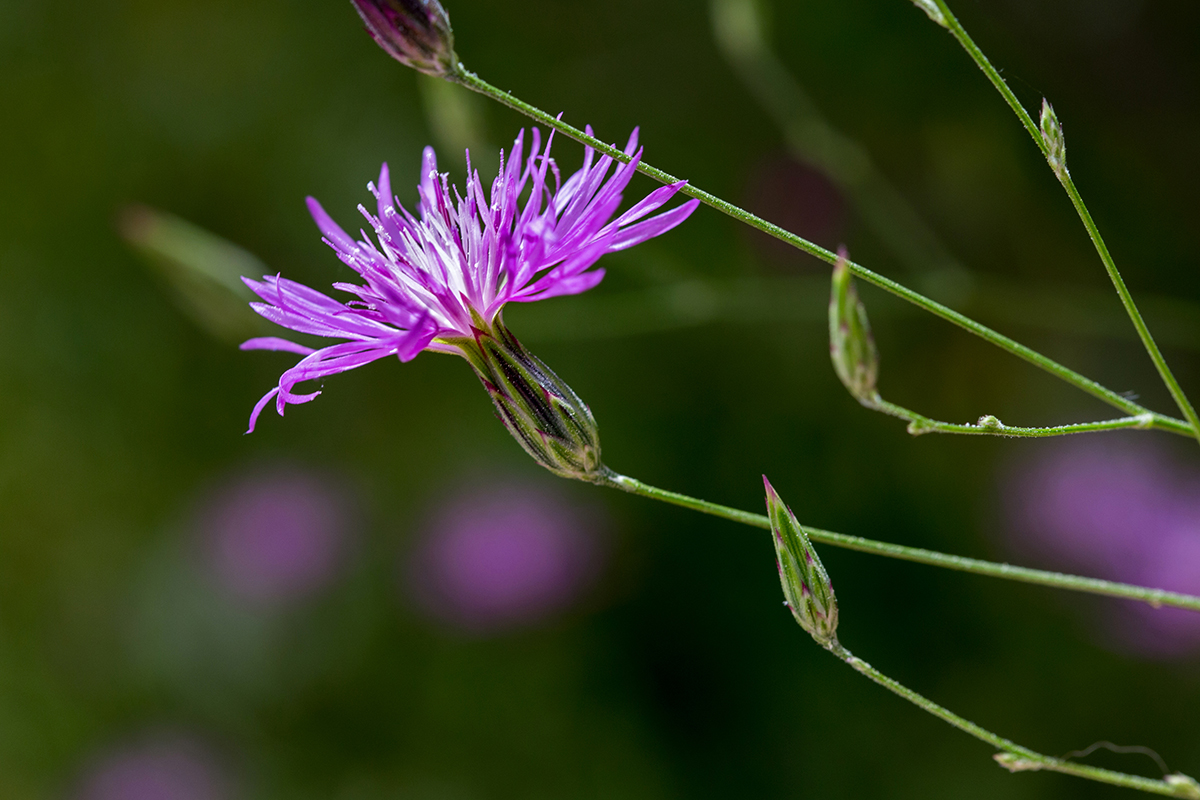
x: 475, y: 83
x: 990, y: 426
x: 1013, y: 756
x: 1064, y: 177
x: 1155, y: 597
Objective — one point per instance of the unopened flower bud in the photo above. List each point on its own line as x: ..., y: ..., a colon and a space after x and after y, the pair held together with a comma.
x: 416, y: 33
x: 1052, y: 137
x: 539, y: 409
x: 806, y: 586
x: 851, y: 346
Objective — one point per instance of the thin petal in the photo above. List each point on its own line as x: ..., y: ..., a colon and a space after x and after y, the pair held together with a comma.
x: 655, y: 226
x: 329, y: 229
x: 275, y: 343
x: 259, y: 406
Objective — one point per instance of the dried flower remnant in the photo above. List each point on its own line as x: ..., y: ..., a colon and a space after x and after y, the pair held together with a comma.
x: 416, y: 33
x: 506, y: 557
x: 1119, y: 509
x: 275, y: 536
x: 806, y: 586
x: 439, y: 281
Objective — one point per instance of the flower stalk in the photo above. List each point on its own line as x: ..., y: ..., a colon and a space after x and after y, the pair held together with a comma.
x: 809, y: 596
x: 1057, y: 580
x: 1048, y: 138
x: 1013, y: 756
x: 477, y: 84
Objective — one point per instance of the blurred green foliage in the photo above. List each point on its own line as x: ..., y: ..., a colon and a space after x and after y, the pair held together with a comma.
x: 683, y: 676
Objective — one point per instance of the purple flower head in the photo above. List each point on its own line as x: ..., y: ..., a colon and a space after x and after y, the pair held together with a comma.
x: 445, y: 274
x: 505, y: 557
x: 164, y: 768
x: 276, y: 536
x: 1120, y: 510
x: 416, y: 33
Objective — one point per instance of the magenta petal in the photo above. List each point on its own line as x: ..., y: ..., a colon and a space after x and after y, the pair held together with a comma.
x: 259, y: 406
x: 636, y: 234
x: 274, y: 343
x: 649, y: 203
x: 330, y: 229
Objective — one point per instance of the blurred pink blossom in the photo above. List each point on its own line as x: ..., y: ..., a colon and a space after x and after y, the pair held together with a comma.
x: 1118, y: 508
x: 277, y: 534
x: 503, y: 556
x: 158, y: 768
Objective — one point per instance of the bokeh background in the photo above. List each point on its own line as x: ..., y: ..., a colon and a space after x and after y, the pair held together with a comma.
x: 380, y: 596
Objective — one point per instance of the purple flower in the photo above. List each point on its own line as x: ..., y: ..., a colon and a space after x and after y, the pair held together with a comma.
x: 503, y: 557
x: 1121, y: 510
x: 446, y: 273
x: 277, y: 535
x: 164, y: 768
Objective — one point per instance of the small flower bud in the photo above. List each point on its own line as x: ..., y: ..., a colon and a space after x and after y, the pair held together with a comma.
x: 1052, y: 136
x: 539, y: 409
x: 416, y: 33
x: 1015, y: 763
x: 851, y: 346
x: 806, y: 586
x: 1183, y: 785
x: 932, y: 11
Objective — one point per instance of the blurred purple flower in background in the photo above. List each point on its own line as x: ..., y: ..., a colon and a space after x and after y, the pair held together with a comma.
x: 503, y: 557
x: 1118, y: 509
x: 276, y: 535
x: 168, y: 767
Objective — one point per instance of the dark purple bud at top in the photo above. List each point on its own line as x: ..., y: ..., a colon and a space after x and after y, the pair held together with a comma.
x: 416, y: 33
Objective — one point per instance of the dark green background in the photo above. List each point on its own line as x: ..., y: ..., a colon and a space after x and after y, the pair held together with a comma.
x: 682, y: 675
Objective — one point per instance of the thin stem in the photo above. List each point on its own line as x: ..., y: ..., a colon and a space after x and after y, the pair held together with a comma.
x: 1064, y: 177
x: 1015, y: 757
x: 1155, y: 597
x: 475, y: 83
x: 990, y: 426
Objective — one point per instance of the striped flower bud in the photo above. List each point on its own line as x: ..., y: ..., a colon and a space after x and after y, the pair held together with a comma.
x: 539, y: 409
x: 806, y: 586
x: 416, y: 33
x: 851, y: 346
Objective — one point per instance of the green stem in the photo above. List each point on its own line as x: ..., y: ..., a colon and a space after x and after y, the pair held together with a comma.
x: 475, y: 83
x: 990, y: 426
x: 1014, y: 757
x: 1155, y: 597
x: 1064, y: 177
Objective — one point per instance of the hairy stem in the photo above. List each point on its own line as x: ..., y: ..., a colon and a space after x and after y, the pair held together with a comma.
x: 475, y: 83
x: 1064, y: 177
x: 990, y: 426
x: 1155, y: 597
x: 1012, y: 756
